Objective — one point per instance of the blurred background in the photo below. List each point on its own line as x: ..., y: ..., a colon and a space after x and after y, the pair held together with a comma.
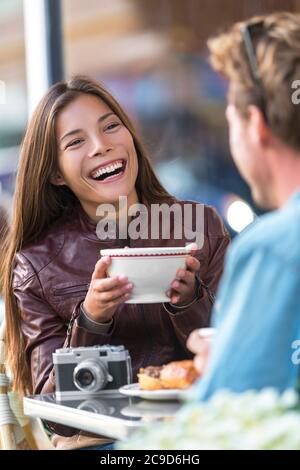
x: 152, y: 56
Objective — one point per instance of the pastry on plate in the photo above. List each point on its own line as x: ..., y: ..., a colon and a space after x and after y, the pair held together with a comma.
x: 176, y: 374
x: 149, y: 378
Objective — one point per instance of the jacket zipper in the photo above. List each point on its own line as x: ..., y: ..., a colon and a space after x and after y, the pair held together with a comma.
x: 71, y: 289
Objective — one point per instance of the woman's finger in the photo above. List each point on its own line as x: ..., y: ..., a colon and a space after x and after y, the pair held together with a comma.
x: 112, y: 295
x: 179, y: 287
x: 103, y: 285
x: 101, y: 267
x: 185, y: 277
x: 192, y: 264
x: 183, y: 291
x: 118, y: 301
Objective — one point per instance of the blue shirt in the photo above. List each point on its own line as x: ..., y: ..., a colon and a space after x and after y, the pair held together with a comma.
x: 257, y: 313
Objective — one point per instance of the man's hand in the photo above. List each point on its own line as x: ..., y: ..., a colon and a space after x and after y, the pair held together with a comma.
x: 105, y: 293
x: 200, y: 344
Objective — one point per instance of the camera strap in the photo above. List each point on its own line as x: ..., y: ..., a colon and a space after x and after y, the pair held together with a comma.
x: 74, y: 315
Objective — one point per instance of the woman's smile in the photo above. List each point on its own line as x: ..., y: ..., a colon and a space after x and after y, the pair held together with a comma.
x: 109, y: 172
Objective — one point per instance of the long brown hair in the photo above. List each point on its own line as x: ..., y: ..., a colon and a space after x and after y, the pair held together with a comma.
x: 38, y: 203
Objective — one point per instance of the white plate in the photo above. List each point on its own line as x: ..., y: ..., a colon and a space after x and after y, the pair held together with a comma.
x: 147, y: 408
x: 134, y: 390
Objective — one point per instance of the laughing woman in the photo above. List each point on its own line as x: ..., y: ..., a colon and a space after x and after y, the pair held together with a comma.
x: 81, y: 150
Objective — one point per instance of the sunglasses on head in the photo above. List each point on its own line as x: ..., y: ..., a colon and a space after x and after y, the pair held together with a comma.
x: 251, y: 32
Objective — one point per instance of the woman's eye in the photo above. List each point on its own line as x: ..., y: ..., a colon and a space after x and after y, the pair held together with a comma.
x: 112, y: 126
x: 74, y: 142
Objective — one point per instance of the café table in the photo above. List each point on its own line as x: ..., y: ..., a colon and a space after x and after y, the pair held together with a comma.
x: 112, y: 415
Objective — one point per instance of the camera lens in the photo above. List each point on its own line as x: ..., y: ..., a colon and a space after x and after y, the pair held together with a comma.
x: 90, y: 375
x: 85, y: 377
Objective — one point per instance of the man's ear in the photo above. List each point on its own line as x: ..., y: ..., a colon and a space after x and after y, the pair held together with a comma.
x: 259, y: 130
x: 57, y: 179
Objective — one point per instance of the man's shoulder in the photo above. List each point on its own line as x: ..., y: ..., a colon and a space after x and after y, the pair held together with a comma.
x: 277, y: 232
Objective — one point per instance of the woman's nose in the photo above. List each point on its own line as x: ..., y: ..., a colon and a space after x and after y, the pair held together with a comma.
x: 100, y: 146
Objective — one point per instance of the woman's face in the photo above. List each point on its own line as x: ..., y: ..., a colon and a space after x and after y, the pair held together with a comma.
x: 97, y: 159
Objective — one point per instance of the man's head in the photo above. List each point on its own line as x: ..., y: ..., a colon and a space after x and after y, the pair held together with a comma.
x: 261, y: 59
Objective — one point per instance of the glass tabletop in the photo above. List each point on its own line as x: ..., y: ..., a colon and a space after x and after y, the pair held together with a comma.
x: 115, y: 405
x: 113, y: 414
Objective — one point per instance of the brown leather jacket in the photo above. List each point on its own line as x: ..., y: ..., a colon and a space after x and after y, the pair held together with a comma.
x: 51, y: 280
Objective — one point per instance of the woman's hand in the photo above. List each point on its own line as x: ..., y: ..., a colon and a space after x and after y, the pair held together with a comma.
x: 105, y: 293
x: 183, y: 288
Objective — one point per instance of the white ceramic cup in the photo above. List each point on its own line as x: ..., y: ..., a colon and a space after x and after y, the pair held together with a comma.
x: 150, y: 270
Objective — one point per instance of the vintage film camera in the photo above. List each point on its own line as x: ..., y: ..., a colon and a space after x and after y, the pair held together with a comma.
x: 87, y: 371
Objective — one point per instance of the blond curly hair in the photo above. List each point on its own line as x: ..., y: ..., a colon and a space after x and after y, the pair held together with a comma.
x: 277, y: 50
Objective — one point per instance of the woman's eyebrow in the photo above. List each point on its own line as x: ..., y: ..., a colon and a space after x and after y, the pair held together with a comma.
x: 74, y: 131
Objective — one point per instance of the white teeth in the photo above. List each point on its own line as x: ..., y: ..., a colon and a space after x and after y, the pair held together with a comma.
x: 107, y: 169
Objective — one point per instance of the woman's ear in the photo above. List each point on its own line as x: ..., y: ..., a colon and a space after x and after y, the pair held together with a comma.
x: 57, y: 179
